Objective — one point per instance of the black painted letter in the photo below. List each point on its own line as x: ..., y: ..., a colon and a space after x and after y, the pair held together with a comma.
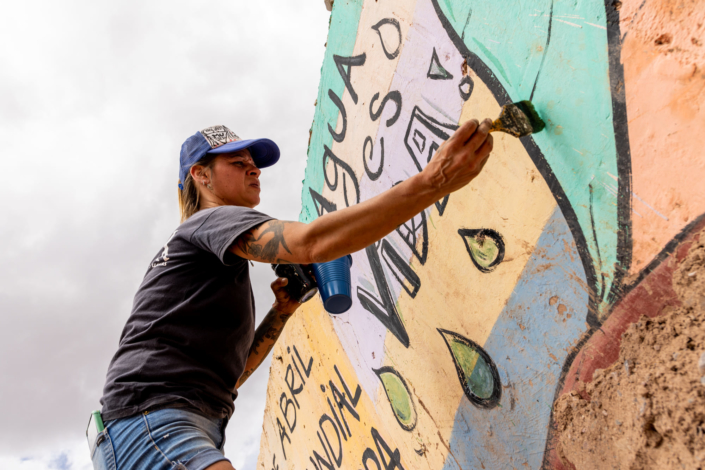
x: 341, y: 62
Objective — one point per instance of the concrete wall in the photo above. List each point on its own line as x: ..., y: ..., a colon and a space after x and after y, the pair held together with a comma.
x: 467, y: 319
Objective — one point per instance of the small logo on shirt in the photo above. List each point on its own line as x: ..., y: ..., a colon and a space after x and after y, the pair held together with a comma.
x: 164, y: 256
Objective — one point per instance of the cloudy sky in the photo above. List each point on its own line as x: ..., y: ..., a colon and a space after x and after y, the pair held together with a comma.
x: 96, y: 98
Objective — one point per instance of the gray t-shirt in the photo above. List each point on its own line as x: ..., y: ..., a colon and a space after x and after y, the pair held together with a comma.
x: 192, y: 323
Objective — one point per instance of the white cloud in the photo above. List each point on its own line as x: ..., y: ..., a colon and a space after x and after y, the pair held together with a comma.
x: 96, y: 98
x: 72, y: 456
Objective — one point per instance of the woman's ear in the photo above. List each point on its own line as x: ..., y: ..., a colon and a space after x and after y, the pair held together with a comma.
x: 200, y: 174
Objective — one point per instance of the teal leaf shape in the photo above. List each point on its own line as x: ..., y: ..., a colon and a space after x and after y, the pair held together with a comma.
x: 485, y: 247
x: 477, y: 372
x: 399, y: 397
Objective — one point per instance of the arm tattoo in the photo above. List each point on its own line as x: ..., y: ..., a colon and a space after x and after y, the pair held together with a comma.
x: 266, y: 330
x: 245, y: 375
x: 248, y: 244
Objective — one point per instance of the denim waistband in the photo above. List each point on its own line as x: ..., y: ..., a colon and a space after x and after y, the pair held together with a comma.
x: 167, y: 438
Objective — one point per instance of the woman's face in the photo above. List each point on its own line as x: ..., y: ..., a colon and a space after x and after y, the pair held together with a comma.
x: 234, y: 178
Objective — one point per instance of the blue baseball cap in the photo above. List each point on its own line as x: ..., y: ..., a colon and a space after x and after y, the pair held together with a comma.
x: 219, y: 139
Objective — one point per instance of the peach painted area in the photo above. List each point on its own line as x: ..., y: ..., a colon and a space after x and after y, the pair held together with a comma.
x: 663, y: 54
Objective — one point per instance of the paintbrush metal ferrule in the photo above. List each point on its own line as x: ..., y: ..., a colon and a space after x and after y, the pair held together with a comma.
x: 518, y: 119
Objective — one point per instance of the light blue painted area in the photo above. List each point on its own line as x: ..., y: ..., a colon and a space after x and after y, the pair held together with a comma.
x: 341, y: 41
x: 514, y: 432
x: 572, y: 95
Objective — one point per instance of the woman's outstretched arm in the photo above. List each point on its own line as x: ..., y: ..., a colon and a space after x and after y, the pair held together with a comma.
x: 457, y: 162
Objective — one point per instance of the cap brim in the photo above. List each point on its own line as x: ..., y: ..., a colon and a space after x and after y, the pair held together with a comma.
x: 264, y: 151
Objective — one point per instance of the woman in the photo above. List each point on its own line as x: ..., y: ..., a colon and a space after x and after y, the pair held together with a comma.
x: 190, y: 341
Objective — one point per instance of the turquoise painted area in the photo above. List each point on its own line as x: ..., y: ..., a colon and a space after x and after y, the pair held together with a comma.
x: 572, y: 95
x: 341, y: 41
x: 529, y: 344
x: 480, y: 381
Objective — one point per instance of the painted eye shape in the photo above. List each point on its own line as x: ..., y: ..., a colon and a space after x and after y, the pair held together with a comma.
x: 485, y: 247
x: 477, y: 373
x: 398, y: 396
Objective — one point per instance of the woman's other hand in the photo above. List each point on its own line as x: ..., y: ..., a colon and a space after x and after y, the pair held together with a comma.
x: 282, y: 300
x: 461, y: 158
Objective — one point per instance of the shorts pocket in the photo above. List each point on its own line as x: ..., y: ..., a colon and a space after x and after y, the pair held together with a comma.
x: 104, y: 454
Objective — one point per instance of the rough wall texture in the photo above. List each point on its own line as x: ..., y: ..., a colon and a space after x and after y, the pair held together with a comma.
x: 467, y: 320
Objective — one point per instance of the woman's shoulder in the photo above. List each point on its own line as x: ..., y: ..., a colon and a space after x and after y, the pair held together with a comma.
x: 221, y: 214
x: 200, y: 215
x: 224, y: 219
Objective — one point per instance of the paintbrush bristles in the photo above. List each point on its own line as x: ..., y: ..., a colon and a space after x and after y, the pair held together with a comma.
x: 518, y: 119
x: 535, y: 120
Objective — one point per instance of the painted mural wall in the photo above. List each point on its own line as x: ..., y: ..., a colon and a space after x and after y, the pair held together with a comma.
x: 468, y: 319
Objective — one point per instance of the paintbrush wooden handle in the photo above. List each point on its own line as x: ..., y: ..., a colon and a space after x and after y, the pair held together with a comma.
x: 496, y: 126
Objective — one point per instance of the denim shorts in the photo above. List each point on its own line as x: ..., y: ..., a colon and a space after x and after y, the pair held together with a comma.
x: 170, y: 438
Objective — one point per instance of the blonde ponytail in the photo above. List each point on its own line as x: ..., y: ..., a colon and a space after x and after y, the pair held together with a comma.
x: 189, y: 197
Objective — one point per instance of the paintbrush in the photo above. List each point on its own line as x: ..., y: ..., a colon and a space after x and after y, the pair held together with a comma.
x: 518, y: 119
